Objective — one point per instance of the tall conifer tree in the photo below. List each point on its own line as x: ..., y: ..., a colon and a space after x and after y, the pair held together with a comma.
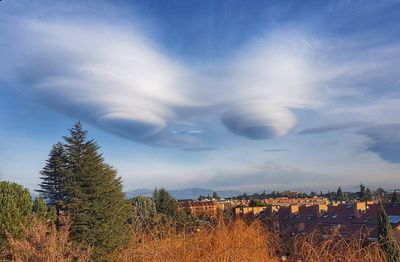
x: 54, y: 175
x: 165, y: 203
x: 94, y: 197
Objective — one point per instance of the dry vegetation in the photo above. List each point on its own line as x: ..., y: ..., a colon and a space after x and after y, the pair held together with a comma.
x: 227, y: 241
x: 235, y: 241
x: 316, y: 247
x: 241, y: 241
x: 44, y: 243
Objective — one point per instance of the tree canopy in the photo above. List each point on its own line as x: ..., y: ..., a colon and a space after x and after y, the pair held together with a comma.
x: 15, y: 209
x: 77, y: 181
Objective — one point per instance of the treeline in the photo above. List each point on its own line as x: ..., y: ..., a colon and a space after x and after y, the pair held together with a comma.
x: 364, y: 194
x: 78, y: 186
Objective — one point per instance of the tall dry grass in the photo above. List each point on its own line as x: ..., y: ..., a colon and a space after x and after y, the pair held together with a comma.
x: 241, y: 241
x: 334, y: 248
x: 233, y: 241
x: 42, y: 242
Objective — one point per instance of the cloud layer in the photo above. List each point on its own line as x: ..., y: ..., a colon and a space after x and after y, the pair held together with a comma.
x: 118, y: 80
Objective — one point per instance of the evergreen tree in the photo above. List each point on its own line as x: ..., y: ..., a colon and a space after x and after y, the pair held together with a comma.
x: 91, y: 193
x: 40, y: 208
x: 395, y: 197
x: 15, y: 210
x: 263, y: 194
x: 54, y: 178
x: 339, y: 195
x: 215, y: 195
x: 274, y: 194
x: 362, y: 193
x: 387, y: 239
x: 165, y: 203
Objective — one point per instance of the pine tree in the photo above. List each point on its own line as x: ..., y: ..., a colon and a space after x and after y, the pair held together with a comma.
x: 165, y: 203
x: 339, y: 195
x: 40, y: 208
x: 387, y: 239
x: 215, y: 195
x: 53, y: 178
x: 15, y: 210
x: 91, y: 193
x: 362, y: 193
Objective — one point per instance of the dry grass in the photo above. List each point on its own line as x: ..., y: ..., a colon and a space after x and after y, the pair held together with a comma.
x: 334, y: 248
x: 44, y: 243
x: 240, y: 241
x: 233, y: 241
x: 230, y: 241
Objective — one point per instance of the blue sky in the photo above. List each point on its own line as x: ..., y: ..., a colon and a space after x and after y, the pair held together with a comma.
x: 244, y: 95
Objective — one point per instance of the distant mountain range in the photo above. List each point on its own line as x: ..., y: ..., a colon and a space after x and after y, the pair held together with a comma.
x: 187, y: 193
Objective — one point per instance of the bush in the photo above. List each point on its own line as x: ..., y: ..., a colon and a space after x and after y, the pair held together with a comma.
x: 15, y: 210
x: 44, y: 243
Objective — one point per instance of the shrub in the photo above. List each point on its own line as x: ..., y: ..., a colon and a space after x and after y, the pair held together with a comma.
x: 15, y: 210
x: 44, y: 243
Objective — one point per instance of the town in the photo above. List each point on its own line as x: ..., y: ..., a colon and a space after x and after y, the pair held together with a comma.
x: 354, y: 215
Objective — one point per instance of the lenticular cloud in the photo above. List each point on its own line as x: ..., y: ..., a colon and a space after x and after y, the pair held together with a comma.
x: 119, y: 81
x: 258, y: 120
x: 99, y: 74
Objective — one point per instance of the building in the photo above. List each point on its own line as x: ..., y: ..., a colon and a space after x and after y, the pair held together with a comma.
x: 285, y: 201
x: 357, y: 219
x: 201, y: 207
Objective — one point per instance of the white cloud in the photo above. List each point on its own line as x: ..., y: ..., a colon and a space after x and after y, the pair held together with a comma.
x: 264, y: 81
x: 111, y: 78
x: 258, y: 120
x: 117, y: 79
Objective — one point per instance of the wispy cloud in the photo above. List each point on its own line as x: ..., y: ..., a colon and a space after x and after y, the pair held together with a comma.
x: 275, y: 150
x: 332, y: 128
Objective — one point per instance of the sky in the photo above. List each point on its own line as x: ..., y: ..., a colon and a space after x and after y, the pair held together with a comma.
x: 222, y: 94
